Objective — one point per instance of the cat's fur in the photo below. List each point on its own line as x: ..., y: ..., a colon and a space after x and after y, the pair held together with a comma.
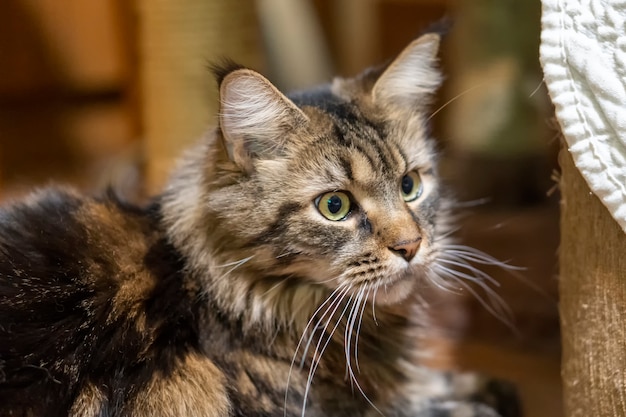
x: 230, y: 294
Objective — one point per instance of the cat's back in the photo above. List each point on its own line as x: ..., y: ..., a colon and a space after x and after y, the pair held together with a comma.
x: 57, y: 242
x: 88, y: 289
x: 54, y: 230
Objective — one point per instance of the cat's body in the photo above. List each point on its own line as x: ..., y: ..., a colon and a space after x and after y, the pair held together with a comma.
x: 278, y: 273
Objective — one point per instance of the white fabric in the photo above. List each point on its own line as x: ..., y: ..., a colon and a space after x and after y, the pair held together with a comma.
x: 583, y: 54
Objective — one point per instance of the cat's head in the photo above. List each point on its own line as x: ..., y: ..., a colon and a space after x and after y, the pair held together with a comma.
x: 334, y: 186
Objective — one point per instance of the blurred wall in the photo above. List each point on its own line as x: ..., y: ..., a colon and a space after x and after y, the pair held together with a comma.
x: 65, y: 88
x: 74, y: 76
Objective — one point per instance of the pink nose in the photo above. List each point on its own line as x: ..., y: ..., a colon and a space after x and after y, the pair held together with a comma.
x: 407, y: 249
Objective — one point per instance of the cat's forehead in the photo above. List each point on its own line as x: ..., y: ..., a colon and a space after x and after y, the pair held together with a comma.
x: 322, y: 101
x: 344, y: 121
x: 360, y: 136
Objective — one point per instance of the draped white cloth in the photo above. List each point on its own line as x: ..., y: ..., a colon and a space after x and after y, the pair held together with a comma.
x: 583, y: 54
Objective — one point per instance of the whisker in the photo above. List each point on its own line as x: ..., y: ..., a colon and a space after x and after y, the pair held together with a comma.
x: 349, y: 364
x: 350, y: 326
x: 537, y: 88
x: 272, y: 288
x: 236, y: 263
x: 348, y: 334
x: 478, y: 256
x: 470, y: 254
x: 478, y: 273
x: 447, y: 234
x: 472, y: 203
x: 374, y: 305
x: 336, y: 303
x: 437, y: 280
x: 496, y: 306
x: 453, y: 99
x: 358, y: 330
x: 474, y: 255
x: 329, y: 280
x: 317, y: 355
x: 356, y: 306
x: 333, y: 295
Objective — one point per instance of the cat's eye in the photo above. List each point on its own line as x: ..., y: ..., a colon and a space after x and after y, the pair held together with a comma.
x: 411, y: 186
x: 334, y: 206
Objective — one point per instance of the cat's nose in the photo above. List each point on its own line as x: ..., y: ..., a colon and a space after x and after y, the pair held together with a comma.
x: 407, y: 249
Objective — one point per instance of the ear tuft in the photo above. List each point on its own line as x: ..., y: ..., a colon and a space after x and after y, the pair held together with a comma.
x: 412, y: 78
x: 221, y: 69
x: 255, y: 118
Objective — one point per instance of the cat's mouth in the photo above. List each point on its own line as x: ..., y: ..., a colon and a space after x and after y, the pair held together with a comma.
x: 388, y: 287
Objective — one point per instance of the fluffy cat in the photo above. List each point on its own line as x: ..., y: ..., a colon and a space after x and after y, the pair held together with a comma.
x: 278, y: 274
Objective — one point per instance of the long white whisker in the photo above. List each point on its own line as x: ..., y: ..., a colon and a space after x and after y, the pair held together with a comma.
x: 328, y: 280
x: 236, y: 263
x: 358, y: 331
x: 464, y: 276
x: 336, y: 293
x: 374, y: 305
x: 334, y: 305
x: 478, y: 273
x: 317, y: 355
x: 537, y: 88
x: 272, y: 288
x: 448, y: 233
x: 478, y: 256
x: 438, y: 281
x: 453, y: 99
x: 349, y: 328
x: 467, y: 253
x: 347, y: 338
x: 482, y: 260
x: 472, y: 203
x: 356, y: 306
x: 497, y: 306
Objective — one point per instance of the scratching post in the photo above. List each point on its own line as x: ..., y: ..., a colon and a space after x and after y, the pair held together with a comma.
x: 592, y: 301
x: 177, y: 42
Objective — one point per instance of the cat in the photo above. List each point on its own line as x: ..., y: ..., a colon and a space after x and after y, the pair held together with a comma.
x: 277, y: 274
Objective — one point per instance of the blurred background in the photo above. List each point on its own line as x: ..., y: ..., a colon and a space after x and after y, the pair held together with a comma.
x: 107, y: 92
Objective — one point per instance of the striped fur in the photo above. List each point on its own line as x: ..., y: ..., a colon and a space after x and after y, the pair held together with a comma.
x: 230, y: 294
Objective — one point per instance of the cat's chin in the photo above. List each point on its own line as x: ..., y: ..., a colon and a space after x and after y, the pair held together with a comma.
x: 395, y: 292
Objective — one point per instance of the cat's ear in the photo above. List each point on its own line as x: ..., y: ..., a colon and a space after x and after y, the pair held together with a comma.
x: 255, y: 118
x: 412, y: 78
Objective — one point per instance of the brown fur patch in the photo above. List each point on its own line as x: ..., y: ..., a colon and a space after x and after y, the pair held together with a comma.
x: 89, y: 402
x: 195, y: 387
x: 123, y: 245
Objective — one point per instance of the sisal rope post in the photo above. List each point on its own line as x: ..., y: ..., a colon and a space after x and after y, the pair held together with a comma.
x: 178, y: 40
x: 592, y: 301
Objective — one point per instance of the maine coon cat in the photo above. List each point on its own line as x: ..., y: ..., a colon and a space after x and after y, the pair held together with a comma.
x: 278, y: 273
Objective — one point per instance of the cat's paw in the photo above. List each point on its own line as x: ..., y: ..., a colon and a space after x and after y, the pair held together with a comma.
x: 460, y: 409
x: 498, y: 394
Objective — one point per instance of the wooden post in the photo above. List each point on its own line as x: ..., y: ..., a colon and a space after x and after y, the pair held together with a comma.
x: 592, y: 301
x: 177, y: 42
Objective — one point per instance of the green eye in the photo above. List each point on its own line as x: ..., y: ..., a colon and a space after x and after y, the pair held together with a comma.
x: 411, y: 186
x: 334, y: 205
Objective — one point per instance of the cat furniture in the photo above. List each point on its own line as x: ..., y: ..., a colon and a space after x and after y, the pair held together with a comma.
x: 583, y: 61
